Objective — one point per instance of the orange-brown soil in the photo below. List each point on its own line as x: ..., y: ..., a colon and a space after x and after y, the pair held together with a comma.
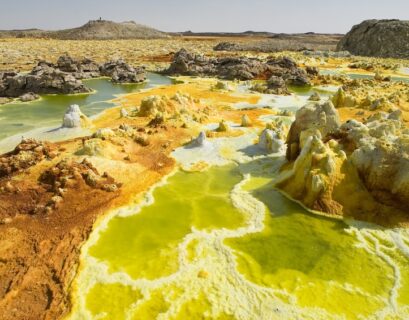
x: 52, y: 194
x: 41, y: 233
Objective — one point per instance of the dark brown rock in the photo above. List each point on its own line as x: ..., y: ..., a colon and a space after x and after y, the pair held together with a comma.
x: 122, y: 72
x: 241, y: 68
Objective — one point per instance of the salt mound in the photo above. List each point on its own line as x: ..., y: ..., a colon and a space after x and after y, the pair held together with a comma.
x: 245, y: 121
x: 270, y: 141
x: 201, y: 140
x: 72, y: 117
x: 163, y: 105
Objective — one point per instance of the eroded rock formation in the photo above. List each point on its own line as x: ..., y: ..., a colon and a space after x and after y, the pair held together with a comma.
x: 43, y: 79
x: 355, y: 169
x: 83, y: 69
x: 25, y: 155
x: 121, y: 72
x: 312, y: 119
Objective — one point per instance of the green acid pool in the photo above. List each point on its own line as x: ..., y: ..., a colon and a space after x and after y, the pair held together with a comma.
x: 18, y: 117
x: 223, y: 244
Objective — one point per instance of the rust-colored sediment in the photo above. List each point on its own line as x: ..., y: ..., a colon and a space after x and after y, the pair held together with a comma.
x: 42, y: 228
x: 39, y: 250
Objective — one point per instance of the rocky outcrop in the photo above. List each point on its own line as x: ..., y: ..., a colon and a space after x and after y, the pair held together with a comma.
x: 370, y: 95
x: 118, y: 70
x: 65, y: 77
x: 25, y: 155
x: 227, y: 46
x: 381, y: 156
x: 83, y: 69
x: 312, y: 119
x: 121, y: 72
x: 355, y: 169
x: 66, y: 174
x: 378, y: 38
x: 43, y: 79
x: 241, y: 68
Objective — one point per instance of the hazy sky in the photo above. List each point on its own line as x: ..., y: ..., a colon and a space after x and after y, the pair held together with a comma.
x: 204, y: 15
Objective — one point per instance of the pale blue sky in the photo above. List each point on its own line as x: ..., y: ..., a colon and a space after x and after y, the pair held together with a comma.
x: 204, y: 15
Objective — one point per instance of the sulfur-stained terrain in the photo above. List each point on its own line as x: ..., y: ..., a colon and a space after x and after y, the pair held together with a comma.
x: 232, y: 185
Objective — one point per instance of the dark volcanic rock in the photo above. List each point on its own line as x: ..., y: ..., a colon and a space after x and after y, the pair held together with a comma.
x: 67, y: 64
x: 275, y: 82
x: 227, y: 46
x: 241, y: 68
x: 287, y: 69
x: 43, y: 79
x: 313, y: 71
x: 122, y: 72
x: 65, y: 77
x: 84, y: 69
x: 191, y: 64
x: 378, y: 38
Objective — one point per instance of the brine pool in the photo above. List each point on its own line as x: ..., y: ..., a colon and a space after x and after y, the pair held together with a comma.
x: 224, y: 244
x: 19, y: 118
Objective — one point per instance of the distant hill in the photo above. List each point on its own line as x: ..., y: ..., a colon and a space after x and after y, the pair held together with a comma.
x: 24, y: 33
x: 92, y: 30
x: 104, y: 30
x: 223, y: 34
x: 258, y: 34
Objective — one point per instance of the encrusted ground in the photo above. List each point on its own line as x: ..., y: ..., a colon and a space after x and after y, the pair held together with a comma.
x: 51, y: 195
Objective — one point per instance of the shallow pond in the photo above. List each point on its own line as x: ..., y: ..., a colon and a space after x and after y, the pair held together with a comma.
x: 21, y: 117
x: 213, y: 245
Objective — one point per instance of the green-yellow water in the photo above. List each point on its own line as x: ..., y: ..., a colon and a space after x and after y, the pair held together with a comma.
x: 152, y: 236
x: 18, y: 117
x: 193, y: 255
